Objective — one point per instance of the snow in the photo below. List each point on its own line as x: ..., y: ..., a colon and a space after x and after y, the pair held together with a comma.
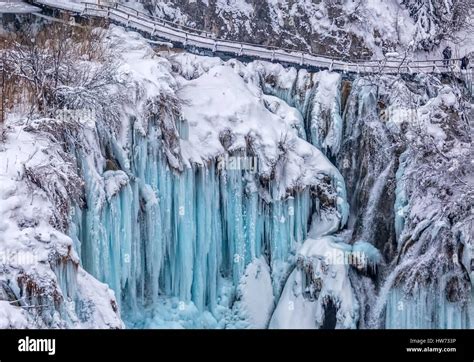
x: 72, y: 5
x: 172, y: 313
x: 226, y: 98
x: 427, y: 287
x: 173, y: 236
x: 114, y: 182
x: 255, y: 299
x: 166, y: 221
x: 16, y: 7
x: 193, y: 229
x: 239, y: 7
x: 22, y: 149
x: 298, y: 21
x: 12, y: 317
x: 105, y: 310
x: 321, y: 275
x: 326, y: 101
x: 30, y: 245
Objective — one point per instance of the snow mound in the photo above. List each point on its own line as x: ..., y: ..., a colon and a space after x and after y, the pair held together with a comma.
x: 228, y: 113
x: 12, y: 317
x: 317, y: 287
x: 255, y: 299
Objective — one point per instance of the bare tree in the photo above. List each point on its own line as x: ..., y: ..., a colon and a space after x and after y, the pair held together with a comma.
x: 65, y: 68
x: 68, y: 78
x: 437, y: 20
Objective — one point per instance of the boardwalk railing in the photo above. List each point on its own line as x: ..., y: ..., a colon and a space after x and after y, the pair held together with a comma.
x: 194, y: 39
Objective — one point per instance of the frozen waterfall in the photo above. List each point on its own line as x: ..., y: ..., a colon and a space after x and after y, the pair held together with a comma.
x: 178, y: 246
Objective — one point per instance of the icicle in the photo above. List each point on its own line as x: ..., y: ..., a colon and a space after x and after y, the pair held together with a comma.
x: 425, y: 309
x: 400, y: 197
x: 149, y: 232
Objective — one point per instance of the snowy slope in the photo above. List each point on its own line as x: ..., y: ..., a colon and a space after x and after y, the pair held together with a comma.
x: 40, y: 264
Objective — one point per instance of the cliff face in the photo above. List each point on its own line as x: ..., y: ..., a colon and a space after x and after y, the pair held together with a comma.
x: 336, y: 28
